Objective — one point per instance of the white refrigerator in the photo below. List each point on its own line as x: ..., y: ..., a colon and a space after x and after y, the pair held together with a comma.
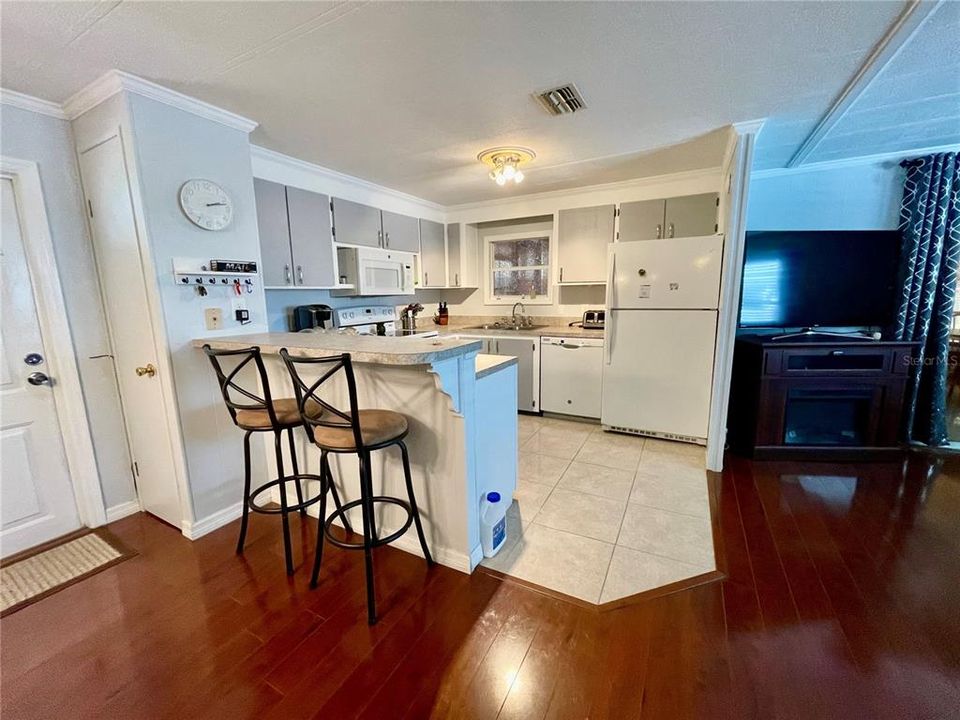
x: 661, y: 329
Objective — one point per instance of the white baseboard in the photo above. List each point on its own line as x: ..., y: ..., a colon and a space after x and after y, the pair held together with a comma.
x: 476, y: 555
x: 203, y: 526
x: 444, y: 556
x: 122, y: 510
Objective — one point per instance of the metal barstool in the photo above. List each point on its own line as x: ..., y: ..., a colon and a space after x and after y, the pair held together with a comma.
x: 358, y: 432
x: 255, y: 413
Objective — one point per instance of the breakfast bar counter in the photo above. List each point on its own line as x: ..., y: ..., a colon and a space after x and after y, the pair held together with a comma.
x: 434, y: 383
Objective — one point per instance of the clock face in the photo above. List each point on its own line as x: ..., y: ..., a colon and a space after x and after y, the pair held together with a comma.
x: 206, y: 204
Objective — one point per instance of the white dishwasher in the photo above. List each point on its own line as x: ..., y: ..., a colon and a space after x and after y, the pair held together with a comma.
x: 571, y: 372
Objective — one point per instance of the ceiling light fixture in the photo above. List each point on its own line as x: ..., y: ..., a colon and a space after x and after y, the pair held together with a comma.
x: 505, y: 162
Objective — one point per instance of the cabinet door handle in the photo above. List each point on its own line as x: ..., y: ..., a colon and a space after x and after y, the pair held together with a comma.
x: 286, y: 273
x: 426, y: 279
x: 380, y: 237
x: 456, y: 279
x: 386, y: 239
x: 561, y: 274
x: 670, y: 230
x: 300, y: 274
x: 659, y: 231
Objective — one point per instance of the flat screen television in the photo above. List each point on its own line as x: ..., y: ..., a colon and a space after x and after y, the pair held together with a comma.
x: 819, y: 278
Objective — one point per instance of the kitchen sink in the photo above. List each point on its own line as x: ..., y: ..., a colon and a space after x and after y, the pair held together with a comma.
x: 505, y: 326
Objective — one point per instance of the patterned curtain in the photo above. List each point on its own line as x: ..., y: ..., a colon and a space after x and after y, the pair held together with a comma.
x: 930, y: 223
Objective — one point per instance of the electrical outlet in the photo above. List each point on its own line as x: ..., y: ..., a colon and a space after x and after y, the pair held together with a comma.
x: 214, y: 318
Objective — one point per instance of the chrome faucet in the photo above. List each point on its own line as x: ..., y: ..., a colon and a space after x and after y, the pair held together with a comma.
x: 513, y: 315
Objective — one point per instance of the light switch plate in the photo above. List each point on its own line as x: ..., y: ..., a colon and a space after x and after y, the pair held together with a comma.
x: 213, y: 317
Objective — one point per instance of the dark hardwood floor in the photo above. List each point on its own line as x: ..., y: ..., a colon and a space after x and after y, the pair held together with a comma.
x: 842, y: 600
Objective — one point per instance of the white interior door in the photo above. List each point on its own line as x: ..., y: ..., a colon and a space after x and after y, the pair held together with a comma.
x: 658, y: 370
x: 37, y: 502
x: 121, y: 269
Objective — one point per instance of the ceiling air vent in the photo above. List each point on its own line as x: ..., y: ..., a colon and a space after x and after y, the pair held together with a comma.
x: 562, y: 100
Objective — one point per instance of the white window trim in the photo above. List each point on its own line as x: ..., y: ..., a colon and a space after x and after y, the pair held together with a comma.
x: 488, y: 241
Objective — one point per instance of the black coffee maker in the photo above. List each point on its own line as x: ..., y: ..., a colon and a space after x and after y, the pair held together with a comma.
x: 308, y: 317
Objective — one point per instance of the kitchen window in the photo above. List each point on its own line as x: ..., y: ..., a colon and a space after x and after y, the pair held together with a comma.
x: 518, y: 268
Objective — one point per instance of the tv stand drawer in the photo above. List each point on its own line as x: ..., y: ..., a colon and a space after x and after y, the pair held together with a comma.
x: 829, y: 361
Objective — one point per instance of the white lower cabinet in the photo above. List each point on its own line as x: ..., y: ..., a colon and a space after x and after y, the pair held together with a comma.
x: 571, y: 375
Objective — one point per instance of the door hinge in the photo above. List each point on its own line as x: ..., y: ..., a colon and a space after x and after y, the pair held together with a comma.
x: 333, y: 231
x: 90, y: 207
x: 618, y: 234
x: 135, y: 472
x: 136, y: 468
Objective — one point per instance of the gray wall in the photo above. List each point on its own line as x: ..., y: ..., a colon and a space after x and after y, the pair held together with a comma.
x: 173, y: 146
x: 48, y: 141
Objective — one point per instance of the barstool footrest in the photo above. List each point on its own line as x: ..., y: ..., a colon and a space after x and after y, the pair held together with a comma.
x: 341, y: 513
x: 294, y: 507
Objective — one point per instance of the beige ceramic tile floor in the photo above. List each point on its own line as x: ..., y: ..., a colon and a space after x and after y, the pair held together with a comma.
x: 602, y: 516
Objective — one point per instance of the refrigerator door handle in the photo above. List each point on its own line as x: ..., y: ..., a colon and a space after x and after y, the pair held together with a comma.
x: 609, y: 332
x: 611, y: 276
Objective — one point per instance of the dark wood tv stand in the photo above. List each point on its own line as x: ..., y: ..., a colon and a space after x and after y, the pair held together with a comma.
x: 817, y: 398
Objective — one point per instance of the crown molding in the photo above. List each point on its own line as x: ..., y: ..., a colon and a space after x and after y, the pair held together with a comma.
x: 31, y: 104
x: 914, y: 15
x: 115, y: 81
x: 712, y: 172
x: 854, y: 161
x: 749, y: 127
x: 262, y: 153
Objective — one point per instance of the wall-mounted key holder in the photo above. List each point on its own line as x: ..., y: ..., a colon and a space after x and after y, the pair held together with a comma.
x: 196, y: 273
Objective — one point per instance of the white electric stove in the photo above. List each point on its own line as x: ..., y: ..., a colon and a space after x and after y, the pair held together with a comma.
x: 375, y: 320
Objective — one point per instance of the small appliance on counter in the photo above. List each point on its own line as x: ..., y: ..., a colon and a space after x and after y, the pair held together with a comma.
x: 310, y: 317
x: 592, y: 320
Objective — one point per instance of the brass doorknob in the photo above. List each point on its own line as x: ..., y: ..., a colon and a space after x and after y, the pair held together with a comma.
x: 149, y: 370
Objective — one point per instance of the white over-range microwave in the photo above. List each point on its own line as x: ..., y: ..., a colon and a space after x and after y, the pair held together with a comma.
x: 374, y: 271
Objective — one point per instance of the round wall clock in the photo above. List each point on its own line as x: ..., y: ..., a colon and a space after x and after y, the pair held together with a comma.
x: 206, y: 204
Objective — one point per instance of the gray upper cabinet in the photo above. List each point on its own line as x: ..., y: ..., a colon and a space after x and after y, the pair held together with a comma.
x: 453, y: 254
x: 691, y: 216
x: 400, y: 232
x: 582, y: 238
x: 686, y: 216
x: 433, y: 256
x: 310, y: 239
x: 641, y: 220
x: 275, y: 254
x: 356, y: 224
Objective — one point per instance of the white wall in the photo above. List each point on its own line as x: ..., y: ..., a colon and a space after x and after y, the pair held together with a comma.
x: 48, y: 141
x: 862, y: 196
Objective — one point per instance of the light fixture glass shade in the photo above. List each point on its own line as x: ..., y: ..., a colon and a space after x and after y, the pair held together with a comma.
x: 505, y: 163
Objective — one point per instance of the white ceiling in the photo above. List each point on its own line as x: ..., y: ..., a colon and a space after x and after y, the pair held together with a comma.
x: 406, y: 94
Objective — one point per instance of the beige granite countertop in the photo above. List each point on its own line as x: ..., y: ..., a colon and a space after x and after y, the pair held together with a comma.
x: 489, y: 364
x: 362, y: 348
x: 553, y: 327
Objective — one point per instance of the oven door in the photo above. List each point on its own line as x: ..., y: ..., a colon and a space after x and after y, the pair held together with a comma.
x: 391, y: 274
